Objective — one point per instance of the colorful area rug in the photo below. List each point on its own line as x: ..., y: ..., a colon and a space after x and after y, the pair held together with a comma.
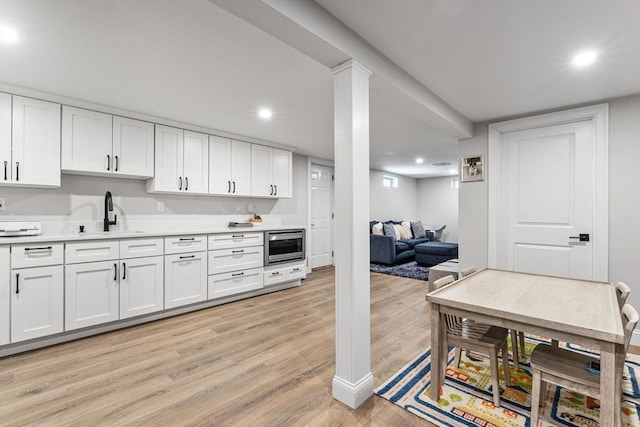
x: 411, y: 270
x: 466, y: 395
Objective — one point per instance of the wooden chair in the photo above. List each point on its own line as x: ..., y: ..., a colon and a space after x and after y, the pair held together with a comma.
x: 515, y: 335
x: 479, y: 338
x: 569, y: 369
x: 622, y: 291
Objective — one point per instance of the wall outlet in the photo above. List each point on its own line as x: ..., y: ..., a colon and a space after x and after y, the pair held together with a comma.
x: 160, y: 206
x: 2, y: 203
x: 250, y: 207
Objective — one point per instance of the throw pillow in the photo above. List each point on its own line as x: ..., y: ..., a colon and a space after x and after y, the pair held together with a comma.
x: 398, y: 229
x: 418, y: 230
x: 389, y: 230
x: 377, y: 229
x: 405, y: 232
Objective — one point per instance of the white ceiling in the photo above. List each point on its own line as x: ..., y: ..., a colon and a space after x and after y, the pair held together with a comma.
x: 189, y: 60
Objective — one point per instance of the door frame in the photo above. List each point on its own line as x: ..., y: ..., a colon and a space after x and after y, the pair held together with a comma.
x: 598, y: 115
x: 328, y: 164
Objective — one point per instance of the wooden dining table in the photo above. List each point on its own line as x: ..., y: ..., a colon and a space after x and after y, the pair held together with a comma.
x: 584, y: 312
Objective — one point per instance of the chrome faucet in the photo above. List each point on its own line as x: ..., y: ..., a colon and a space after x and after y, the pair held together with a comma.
x: 108, y: 206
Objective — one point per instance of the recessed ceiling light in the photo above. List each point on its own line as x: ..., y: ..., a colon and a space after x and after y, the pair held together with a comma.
x: 265, y: 113
x: 419, y: 160
x: 8, y: 35
x: 584, y: 58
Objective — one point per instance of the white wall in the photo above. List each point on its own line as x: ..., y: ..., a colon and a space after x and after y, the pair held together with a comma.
x: 80, y: 200
x: 624, y: 197
x: 438, y: 205
x: 392, y: 203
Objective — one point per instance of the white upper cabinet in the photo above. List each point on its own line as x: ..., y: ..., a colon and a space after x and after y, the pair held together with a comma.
x: 133, y: 147
x: 229, y: 167
x: 100, y: 144
x: 181, y: 162
x: 271, y: 171
x: 29, y: 142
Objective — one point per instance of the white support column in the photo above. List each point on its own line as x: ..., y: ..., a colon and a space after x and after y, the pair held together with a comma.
x: 353, y: 382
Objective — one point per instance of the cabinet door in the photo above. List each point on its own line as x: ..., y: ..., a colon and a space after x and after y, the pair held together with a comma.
x: 196, y: 162
x: 91, y: 294
x: 141, y: 286
x: 36, y: 142
x: 261, y: 166
x: 282, y: 173
x: 185, y: 279
x: 168, y: 166
x: 5, y: 138
x: 241, y: 168
x: 5, y: 292
x: 132, y: 147
x: 86, y: 141
x: 37, y: 304
x: 219, y: 165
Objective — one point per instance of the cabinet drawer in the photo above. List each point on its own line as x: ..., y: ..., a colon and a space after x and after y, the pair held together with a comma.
x: 225, y: 260
x: 224, y: 284
x: 138, y: 248
x: 36, y: 255
x: 97, y: 250
x: 284, y: 274
x: 235, y: 240
x: 182, y: 244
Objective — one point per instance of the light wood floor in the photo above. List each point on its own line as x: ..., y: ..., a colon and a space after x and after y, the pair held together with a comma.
x: 264, y: 361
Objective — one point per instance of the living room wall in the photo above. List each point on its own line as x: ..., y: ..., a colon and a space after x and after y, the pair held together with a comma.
x: 438, y: 205
x: 392, y: 203
x: 624, y: 198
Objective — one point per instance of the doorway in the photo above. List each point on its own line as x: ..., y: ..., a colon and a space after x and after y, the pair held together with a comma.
x: 321, y: 216
x: 548, y: 194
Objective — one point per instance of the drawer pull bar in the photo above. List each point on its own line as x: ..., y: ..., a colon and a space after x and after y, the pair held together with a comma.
x: 275, y: 273
x: 238, y: 236
x: 115, y: 271
x: 296, y: 269
x: 187, y: 256
x: 43, y: 248
x: 237, y: 274
x: 17, y: 283
x: 239, y: 251
x: 124, y: 270
x: 185, y: 239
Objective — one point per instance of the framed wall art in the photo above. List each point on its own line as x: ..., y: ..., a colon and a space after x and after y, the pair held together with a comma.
x: 472, y: 169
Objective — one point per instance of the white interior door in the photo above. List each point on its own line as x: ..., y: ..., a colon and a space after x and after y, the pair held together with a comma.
x: 320, y: 241
x: 547, y: 200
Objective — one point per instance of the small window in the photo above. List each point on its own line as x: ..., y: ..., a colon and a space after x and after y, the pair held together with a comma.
x: 389, y: 181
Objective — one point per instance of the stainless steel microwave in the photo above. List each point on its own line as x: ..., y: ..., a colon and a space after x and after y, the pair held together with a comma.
x: 284, y: 246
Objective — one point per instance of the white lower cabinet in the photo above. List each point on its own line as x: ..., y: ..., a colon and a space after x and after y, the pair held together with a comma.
x: 274, y: 276
x: 5, y: 292
x: 36, y: 302
x: 141, y: 286
x: 185, y: 279
x: 221, y: 285
x: 91, y: 294
x: 226, y: 260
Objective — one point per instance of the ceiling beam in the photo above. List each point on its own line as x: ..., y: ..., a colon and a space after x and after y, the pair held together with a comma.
x: 311, y: 29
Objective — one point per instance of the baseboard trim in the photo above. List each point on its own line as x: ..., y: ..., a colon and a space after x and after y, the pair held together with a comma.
x: 352, y: 395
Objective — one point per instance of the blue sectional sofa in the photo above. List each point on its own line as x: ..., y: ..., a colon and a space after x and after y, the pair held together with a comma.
x: 387, y: 250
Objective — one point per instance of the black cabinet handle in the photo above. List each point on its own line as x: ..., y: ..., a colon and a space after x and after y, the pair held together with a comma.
x: 43, y: 248
x: 17, y: 171
x: 124, y: 270
x: 180, y: 187
x: 237, y: 274
x: 187, y: 256
x: 229, y: 185
x: 115, y: 271
x: 275, y: 273
x: 237, y: 236
x: 276, y: 192
x: 186, y: 183
x: 116, y: 169
x: 108, y: 162
x: 182, y: 239
x: 17, y: 283
x: 5, y: 170
x: 271, y: 190
x: 234, y: 187
x: 239, y: 251
x: 296, y: 269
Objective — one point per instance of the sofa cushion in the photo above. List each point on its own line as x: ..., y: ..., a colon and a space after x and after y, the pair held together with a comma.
x: 401, y: 247
x: 377, y: 229
x: 418, y: 229
x: 413, y: 242
x: 437, y: 248
x: 405, y: 230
